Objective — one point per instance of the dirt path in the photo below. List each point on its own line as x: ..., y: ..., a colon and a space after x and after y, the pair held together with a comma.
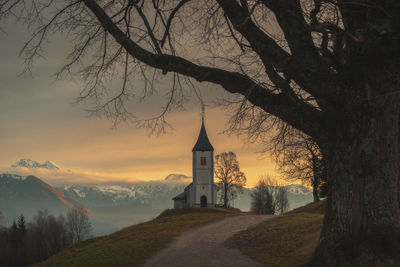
x: 204, y: 246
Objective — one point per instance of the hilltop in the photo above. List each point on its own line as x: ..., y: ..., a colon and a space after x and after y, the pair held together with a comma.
x: 288, y: 241
x: 132, y: 245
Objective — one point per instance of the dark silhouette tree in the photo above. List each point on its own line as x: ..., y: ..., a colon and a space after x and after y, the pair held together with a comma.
x: 21, y: 225
x: 230, y: 180
x: 269, y: 196
x: 24, y: 244
x: 47, y: 235
x: 282, y: 200
x: 328, y: 68
x: 262, y: 200
x: 22, y: 233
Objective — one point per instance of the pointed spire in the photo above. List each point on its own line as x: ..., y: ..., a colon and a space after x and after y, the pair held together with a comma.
x: 203, y: 144
x: 203, y: 110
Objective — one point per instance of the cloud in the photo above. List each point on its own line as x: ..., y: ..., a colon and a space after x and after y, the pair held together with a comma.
x: 62, y: 176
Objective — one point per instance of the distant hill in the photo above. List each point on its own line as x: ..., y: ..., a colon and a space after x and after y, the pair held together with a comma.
x: 28, y: 194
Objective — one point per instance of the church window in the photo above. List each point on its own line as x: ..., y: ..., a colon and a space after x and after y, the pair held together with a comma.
x: 202, y: 160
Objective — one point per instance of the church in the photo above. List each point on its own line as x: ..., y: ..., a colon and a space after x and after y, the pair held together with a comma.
x: 202, y: 191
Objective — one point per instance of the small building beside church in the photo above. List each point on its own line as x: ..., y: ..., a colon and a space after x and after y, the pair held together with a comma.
x: 202, y: 191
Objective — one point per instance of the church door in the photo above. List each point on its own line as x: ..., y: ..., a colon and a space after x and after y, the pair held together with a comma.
x: 203, y: 201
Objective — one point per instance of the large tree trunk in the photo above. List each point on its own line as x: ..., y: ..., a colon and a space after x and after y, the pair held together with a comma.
x: 316, y: 180
x: 361, y: 226
x: 315, y: 194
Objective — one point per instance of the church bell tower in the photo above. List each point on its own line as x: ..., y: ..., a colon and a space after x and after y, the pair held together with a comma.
x: 203, y: 170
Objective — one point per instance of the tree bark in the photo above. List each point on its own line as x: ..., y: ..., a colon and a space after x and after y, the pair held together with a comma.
x: 225, y: 194
x: 362, y: 223
x: 315, y: 194
x: 316, y: 180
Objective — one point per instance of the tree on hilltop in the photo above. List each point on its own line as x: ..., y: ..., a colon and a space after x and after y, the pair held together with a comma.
x: 230, y: 180
x: 328, y: 68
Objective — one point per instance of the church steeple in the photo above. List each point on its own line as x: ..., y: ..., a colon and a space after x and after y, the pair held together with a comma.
x: 203, y: 144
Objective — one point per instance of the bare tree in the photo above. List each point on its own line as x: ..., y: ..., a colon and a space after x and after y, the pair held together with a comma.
x: 39, y: 236
x: 78, y: 224
x: 230, y: 180
x: 328, y: 68
x: 269, y: 196
x: 262, y: 200
x: 25, y: 244
x: 282, y: 199
x: 299, y: 158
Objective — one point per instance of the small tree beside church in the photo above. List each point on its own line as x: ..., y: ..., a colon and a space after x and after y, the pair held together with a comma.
x: 230, y: 180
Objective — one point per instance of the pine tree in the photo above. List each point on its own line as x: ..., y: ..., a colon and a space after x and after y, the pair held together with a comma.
x: 21, y: 225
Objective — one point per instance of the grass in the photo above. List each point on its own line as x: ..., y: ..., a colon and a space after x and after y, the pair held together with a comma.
x: 286, y: 241
x: 131, y: 246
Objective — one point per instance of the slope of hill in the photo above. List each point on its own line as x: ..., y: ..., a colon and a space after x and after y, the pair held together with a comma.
x: 287, y: 241
x: 131, y: 246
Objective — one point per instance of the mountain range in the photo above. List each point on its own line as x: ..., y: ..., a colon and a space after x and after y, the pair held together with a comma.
x: 111, y: 206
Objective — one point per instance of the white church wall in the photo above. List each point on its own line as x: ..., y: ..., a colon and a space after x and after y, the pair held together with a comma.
x: 203, y: 190
x: 204, y: 176
x: 209, y: 158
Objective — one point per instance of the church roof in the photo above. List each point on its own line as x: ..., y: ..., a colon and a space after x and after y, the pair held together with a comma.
x: 181, y: 196
x: 203, y: 144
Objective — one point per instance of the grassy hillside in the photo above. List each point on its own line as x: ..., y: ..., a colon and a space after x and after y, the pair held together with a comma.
x: 131, y: 246
x: 287, y: 241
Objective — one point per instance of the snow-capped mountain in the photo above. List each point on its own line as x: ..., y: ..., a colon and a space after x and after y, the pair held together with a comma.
x: 177, y: 178
x: 158, y: 196
x: 298, y: 189
x: 299, y: 196
x: 31, y: 164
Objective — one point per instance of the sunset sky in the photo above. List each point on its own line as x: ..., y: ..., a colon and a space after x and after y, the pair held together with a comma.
x: 39, y: 121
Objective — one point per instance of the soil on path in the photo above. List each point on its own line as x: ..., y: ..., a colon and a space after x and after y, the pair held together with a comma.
x: 204, y: 246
